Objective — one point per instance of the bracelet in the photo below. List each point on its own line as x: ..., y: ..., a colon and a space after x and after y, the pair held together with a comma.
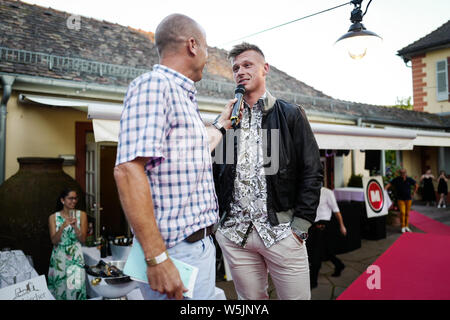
x: 158, y: 259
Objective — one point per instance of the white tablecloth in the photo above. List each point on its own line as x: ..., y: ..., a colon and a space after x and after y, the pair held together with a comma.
x: 92, y: 256
x: 349, y: 194
x: 357, y: 194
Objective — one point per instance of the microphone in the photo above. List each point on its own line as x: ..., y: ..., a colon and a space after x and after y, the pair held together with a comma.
x: 239, y: 95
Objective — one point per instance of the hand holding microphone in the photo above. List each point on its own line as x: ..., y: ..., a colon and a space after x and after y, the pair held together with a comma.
x: 232, y: 113
x: 235, y: 113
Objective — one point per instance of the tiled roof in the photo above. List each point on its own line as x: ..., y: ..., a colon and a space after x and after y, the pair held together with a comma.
x: 437, y: 39
x: 44, y: 32
x: 37, y: 41
x: 384, y: 115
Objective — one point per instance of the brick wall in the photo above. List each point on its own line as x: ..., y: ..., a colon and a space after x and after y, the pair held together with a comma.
x: 419, y: 84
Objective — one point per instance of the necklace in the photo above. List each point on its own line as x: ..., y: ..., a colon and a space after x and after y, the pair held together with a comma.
x: 64, y: 214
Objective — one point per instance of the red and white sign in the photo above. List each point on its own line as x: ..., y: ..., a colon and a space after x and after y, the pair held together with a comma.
x: 375, y: 197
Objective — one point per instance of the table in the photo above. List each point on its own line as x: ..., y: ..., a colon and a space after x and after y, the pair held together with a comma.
x: 357, y: 194
x: 370, y: 228
x: 351, y: 212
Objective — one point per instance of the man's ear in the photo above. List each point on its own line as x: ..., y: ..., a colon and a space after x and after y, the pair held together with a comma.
x: 266, y: 68
x: 192, y: 46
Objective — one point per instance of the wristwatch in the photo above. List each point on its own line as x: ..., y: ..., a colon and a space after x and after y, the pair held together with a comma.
x: 302, y: 235
x: 158, y: 259
x: 219, y: 127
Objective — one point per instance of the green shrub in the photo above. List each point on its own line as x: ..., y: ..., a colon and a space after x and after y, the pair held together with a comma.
x: 355, y: 181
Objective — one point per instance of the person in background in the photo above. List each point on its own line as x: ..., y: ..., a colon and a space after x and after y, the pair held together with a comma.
x: 317, y: 243
x: 266, y: 210
x: 403, y: 186
x: 442, y: 189
x: 429, y: 195
x: 68, y: 229
x: 163, y: 168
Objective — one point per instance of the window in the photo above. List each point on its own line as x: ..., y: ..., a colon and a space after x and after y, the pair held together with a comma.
x: 441, y: 80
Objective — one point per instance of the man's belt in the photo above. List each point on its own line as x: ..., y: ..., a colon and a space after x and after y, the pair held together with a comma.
x: 200, y: 234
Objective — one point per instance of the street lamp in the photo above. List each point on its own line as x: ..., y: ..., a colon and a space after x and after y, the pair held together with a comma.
x: 358, y: 38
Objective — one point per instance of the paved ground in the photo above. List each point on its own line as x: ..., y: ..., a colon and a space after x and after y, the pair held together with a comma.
x: 356, y: 261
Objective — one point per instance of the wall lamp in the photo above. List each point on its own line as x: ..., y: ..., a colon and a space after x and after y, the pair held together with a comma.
x: 358, y: 38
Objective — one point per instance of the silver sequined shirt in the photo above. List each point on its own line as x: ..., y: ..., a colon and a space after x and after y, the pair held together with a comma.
x: 249, y: 202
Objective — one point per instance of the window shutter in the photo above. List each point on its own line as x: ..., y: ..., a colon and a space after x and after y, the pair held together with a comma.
x: 441, y: 80
x: 448, y: 77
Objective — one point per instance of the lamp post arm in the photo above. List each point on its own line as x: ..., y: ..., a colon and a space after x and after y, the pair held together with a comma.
x: 367, y: 8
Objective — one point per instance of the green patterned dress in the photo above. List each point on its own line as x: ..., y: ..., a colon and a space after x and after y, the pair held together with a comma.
x: 66, y: 275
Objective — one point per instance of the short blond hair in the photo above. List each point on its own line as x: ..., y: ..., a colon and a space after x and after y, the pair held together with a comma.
x: 244, y: 46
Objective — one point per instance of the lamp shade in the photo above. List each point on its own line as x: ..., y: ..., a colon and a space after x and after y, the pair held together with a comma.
x: 358, y: 40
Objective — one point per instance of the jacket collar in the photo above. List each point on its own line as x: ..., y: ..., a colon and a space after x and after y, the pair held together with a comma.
x: 269, y: 102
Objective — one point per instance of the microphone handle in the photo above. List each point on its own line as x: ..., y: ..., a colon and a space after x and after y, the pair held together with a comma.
x: 236, y: 110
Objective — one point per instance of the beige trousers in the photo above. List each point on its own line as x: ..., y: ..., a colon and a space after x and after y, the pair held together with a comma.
x: 286, y: 261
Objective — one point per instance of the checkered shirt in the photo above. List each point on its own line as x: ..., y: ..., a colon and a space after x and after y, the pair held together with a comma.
x: 161, y: 121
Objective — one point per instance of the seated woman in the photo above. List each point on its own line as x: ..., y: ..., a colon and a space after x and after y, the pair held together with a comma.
x: 68, y: 229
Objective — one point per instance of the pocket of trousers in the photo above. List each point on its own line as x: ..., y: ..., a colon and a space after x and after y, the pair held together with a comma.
x: 296, y: 240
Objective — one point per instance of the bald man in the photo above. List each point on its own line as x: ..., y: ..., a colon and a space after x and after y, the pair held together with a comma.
x: 163, y: 167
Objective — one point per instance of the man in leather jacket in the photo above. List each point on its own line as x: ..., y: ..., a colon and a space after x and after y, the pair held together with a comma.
x: 268, y: 177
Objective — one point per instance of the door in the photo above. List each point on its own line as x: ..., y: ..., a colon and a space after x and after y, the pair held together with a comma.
x: 91, y: 185
x: 327, y: 161
x: 323, y: 161
x: 102, y: 198
x: 112, y: 215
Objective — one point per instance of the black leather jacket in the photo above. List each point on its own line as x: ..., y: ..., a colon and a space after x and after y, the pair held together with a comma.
x: 294, y: 190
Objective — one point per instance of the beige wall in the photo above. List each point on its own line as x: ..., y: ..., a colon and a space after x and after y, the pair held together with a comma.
x: 359, y: 162
x: 431, y: 155
x: 347, y: 167
x: 411, y: 161
x: 38, y: 131
x: 430, y: 60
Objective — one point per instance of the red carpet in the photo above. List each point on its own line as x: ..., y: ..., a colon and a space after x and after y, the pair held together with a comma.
x: 428, y: 225
x: 415, y: 267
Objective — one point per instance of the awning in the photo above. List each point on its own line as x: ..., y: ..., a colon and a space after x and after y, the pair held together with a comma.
x: 341, y: 137
x: 106, y: 124
x: 427, y: 138
x: 328, y: 136
x: 106, y: 110
x: 106, y: 115
x: 432, y: 141
x: 105, y: 129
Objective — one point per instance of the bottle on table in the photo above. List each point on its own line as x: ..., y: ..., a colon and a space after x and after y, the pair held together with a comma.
x: 90, y: 235
x: 104, y: 243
